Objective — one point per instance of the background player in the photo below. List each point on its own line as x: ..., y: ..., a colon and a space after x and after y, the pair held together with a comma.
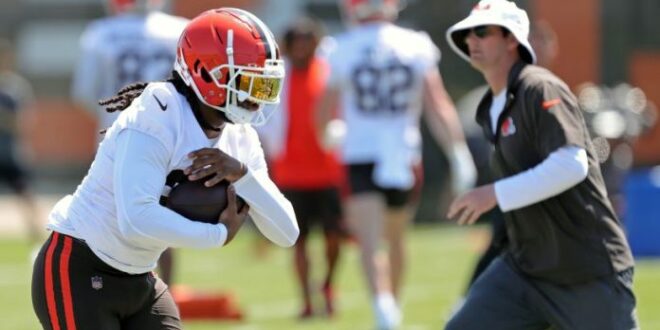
x: 15, y: 94
x: 136, y: 42
x: 382, y: 76
x: 309, y: 176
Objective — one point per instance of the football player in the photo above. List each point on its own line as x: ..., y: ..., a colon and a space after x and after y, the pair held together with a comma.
x: 382, y: 76
x: 137, y: 42
x: 309, y: 176
x: 94, y: 272
x: 15, y: 95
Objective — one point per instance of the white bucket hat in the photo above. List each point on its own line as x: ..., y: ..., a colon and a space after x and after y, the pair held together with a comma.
x: 493, y: 12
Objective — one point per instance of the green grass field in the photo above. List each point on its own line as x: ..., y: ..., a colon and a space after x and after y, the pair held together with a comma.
x: 440, y: 259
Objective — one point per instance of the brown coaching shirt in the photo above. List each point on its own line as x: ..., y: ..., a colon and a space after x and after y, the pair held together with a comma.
x: 572, y: 237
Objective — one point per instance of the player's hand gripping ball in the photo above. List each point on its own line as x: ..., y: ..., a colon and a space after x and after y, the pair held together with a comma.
x: 195, y: 201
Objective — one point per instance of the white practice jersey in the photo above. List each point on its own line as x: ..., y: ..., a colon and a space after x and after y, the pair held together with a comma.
x: 379, y: 69
x: 115, y: 209
x: 120, y: 50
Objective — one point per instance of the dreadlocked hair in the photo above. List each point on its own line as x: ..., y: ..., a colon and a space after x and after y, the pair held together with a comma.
x: 128, y: 93
x: 124, y: 97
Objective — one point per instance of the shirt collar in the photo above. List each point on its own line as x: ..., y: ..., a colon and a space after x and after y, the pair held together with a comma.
x: 483, y: 110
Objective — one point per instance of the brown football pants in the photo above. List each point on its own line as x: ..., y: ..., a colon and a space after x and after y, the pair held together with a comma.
x: 73, y: 289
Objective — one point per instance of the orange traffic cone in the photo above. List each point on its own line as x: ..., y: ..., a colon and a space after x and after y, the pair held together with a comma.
x: 194, y: 304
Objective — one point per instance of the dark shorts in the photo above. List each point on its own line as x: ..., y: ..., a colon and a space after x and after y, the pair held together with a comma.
x: 361, y: 181
x: 503, y: 298
x: 72, y: 288
x: 311, y: 206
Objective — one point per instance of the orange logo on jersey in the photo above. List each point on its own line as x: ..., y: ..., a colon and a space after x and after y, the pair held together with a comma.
x: 508, y: 128
x: 550, y: 103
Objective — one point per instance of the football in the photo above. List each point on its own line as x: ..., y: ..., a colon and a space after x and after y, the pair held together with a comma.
x: 197, y: 202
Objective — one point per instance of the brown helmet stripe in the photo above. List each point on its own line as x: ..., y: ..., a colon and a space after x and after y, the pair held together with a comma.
x: 267, y: 38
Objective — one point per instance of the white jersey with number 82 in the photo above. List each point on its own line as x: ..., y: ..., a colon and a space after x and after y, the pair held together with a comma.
x: 120, y: 50
x: 379, y: 70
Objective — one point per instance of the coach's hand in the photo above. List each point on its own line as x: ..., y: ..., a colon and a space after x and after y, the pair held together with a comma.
x: 215, y: 163
x: 232, y: 217
x: 470, y: 206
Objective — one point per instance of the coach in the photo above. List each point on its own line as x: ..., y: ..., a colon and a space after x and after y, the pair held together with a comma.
x: 568, y: 265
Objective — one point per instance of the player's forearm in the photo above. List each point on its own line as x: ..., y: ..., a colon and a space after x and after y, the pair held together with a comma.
x: 440, y: 113
x: 446, y: 130
x: 445, y: 127
x: 157, y: 223
x: 324, y: 110
x: 138, y: 181
x: 271, y: 212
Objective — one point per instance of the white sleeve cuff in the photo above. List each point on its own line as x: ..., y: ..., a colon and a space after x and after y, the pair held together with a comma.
x: 464, y: 173
x: 222, y: 234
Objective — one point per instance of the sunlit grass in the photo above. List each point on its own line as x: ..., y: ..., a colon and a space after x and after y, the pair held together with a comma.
x: 441, y: 257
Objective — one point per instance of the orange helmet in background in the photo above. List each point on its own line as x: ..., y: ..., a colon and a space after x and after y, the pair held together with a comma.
x: 115, y: 7
x: 360, y: 10
x: 229, y: 56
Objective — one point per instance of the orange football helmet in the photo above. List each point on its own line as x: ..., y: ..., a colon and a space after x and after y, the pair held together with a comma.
x: 359, y: 10
x: 122, y: 6
x: 229, y: 56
